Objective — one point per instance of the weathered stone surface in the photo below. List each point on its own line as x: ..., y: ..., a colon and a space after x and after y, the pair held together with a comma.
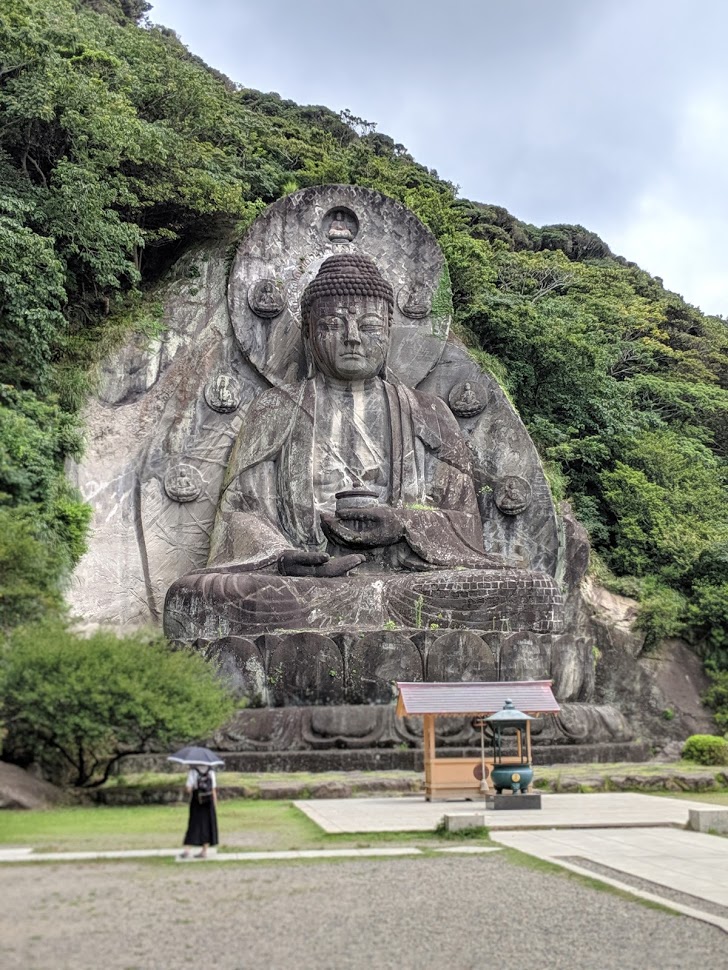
x: 20, y: 789
x: 678, y: 674
x: 349, y: 501
x: 330, y: 789
x: 501, y: 447
x: 206, y: 604
x: 242, y: 664
x: 225, y: 376
x: 376, y: 661
x: 151, y: 415
x: 307, y: 668
x: 459, y: 655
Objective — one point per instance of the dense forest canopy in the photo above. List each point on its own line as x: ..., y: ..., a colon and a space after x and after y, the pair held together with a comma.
x: 119, y: 148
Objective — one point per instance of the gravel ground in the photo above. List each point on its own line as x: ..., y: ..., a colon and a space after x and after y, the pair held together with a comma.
x: 424, y: 913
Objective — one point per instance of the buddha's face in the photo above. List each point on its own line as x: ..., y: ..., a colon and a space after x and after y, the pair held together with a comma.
x: 350, y: 336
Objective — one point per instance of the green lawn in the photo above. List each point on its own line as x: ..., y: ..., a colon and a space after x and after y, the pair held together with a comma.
x: 714, y: 797
x: 637, y: 769
x: 245, y: 824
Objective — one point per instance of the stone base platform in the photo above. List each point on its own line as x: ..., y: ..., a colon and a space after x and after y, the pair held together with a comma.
x: 360, y: 667
x: 241, y: 604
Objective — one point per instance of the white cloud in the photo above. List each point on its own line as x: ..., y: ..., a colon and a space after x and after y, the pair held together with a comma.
x: 676, y: 228
x: 609, y: 115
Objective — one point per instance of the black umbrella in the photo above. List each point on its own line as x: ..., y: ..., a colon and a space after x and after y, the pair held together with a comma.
x: 196, y: 756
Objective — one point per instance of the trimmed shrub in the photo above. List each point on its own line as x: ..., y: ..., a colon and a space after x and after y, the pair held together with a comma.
x: 706, y: 749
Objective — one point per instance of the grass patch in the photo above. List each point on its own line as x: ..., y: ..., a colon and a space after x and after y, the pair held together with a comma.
x: 245, y: 825
x: 637, y: 769
x: 712, y: 797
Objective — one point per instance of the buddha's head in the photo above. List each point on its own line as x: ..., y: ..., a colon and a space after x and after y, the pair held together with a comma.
x: 347, y: 311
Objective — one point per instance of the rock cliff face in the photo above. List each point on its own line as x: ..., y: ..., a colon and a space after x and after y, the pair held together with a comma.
x: 657, y: 692
x: 160, y: 434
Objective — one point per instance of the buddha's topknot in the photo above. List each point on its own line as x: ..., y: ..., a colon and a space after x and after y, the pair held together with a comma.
x: 348, y: 274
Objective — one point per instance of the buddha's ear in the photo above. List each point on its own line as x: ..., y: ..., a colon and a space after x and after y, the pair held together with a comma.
x: 308, y: 349
x: 384, y: 372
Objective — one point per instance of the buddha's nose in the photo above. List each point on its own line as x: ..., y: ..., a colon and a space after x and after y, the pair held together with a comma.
x: 351, y: 332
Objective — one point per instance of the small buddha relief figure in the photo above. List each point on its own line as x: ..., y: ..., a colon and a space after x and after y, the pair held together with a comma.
x: 414, y: 300
x: 342, y: 228
x: 467, y: 399
x: 512, y: 495
x: 183, y: 483
x: 265, y: 298
x: 222, y: 394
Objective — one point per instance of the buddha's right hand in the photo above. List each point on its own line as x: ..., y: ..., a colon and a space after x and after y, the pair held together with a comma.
x: 301, y: 562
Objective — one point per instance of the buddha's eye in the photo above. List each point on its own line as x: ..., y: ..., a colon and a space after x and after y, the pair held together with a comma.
x: 371, y: 325
x: 330, y: 323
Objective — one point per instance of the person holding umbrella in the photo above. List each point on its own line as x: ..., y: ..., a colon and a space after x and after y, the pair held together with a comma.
x: 201, y: 786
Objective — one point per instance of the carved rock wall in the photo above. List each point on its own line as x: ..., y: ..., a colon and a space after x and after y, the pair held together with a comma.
x: 159, y: 436
x: 160, y: 431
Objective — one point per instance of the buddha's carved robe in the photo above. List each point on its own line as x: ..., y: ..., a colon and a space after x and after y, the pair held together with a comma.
x: 284, y: 471
x: 299, y: 445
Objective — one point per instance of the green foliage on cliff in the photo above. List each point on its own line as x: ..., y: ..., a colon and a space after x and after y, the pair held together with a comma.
x: 717, y: 696
x: 119, y: 148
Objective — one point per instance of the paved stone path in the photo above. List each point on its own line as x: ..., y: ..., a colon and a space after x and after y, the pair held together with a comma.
x: 691, y: 866
x: 413, y: 814
x: 29, y: 855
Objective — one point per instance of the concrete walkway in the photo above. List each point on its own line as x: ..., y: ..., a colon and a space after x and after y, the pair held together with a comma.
x: 413, y: 814
x: 28, y: 855
x: 691, y: 866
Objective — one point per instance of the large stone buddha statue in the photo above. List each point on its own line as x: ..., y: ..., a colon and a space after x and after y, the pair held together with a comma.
x: 349, y: 499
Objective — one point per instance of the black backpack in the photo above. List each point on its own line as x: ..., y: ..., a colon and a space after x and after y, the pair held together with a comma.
x: 204, y: 787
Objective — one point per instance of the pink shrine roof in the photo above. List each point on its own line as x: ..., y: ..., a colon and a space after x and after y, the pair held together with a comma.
x: 475, y: 697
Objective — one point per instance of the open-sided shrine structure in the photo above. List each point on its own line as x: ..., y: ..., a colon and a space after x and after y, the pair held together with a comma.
x: 462, y: 777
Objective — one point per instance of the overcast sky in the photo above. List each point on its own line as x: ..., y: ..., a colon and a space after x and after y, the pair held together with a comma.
x: 608, y: 113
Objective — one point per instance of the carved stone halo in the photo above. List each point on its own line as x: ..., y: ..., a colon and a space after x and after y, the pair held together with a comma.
x: 415, y: 300
x: 223, y: 393
x: 340, y: 225
x: 512, y: 495
x: 467, y: 399
x: 183, y: 483
x: 265, y: 298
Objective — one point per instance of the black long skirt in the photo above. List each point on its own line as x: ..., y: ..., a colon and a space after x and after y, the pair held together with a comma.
x: 202, y: 824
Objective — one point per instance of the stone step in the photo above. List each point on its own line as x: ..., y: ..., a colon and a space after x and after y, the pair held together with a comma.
x: 709, y: 820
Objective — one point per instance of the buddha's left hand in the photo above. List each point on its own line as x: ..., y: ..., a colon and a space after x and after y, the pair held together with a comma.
x: 368, y: 527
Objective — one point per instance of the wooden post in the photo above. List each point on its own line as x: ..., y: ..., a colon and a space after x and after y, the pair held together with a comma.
x: 428, y: 735
x: 528, y: 752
